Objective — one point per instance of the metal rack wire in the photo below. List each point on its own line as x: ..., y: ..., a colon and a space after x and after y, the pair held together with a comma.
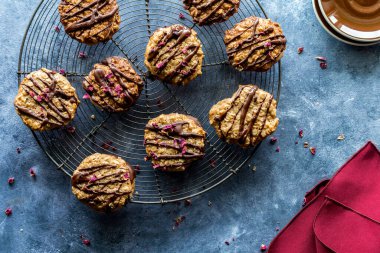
x: 122, y: 134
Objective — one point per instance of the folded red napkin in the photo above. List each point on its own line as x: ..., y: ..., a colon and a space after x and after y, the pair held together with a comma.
x: 340, y: 215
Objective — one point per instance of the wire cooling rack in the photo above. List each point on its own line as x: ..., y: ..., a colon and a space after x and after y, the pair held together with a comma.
x: 122, y: 134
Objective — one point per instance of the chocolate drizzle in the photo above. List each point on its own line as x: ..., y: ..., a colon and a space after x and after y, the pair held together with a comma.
x: 173, y: 137
x: 110, y: 182
x: 54, y: 112
x: 265, y: 40
x: 121, y: 93
x: 171, y: 51
x: 245, y: 106
x: 211, y: 8
x: 87, y: 21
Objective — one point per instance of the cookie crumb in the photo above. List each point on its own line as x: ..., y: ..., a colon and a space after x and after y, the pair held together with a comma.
x: 341, y: 137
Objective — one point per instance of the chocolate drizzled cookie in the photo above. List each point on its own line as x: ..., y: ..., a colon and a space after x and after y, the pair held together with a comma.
x: 46, y: 100
x: 173, y: 141
x: 246, y: 118
x: 207, y: 12
x: 103, y: 182
x: 255, y: 44
x: 174, y: 54
x: 113, y: 84
x: 90, y: 21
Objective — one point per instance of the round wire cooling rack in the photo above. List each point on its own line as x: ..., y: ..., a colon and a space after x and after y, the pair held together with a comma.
x: 46, y: 45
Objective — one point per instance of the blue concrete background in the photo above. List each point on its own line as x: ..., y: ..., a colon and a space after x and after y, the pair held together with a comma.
x: 246, y: 209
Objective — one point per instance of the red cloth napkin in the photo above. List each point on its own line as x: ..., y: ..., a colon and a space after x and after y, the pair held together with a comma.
x: 340, y: 215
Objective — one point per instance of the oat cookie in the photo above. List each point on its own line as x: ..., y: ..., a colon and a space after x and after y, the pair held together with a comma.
x: 207, y: 12
x: 173, y: 141
x: 103, y: 182
x: 90, y: 21
x: 46, y: 100
x: 246, y: 118
x: 174, y: 54
x: 113, y: 84
x: 255, y: 44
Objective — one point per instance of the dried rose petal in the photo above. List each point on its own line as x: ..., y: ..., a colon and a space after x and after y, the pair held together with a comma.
x: 32, y: 173
x: 70, y: 129
x: 18, y: 150
x: 181, y: 16
x: 273, y: 140
x: 263, y: 247
x: 159, y: 65
x: 62, y: 72
x: 300, y: 50
x: 156, y: 166
x: 188, y: 202
x: 341, y: 137
x: 323, y: 65
x: 8, y: 211
x: 11, y: 180
x: 32, y: 94
x: 90, y: 88
x: 161, y: 44
x: 39, y: 98
x: 227, y: 243
x: 57, y: 29
x: 86, y: 96
x: 82, y: 55
x: 93, y: 178
x: 179, y: 220
x: 321, y: 58
x: 126, y: 175
x: 313, y: 150
x: 278, y: 149
x: 267, y: 44
x: 300, y: 133
x: 184, y: 51
x: 86, y: 241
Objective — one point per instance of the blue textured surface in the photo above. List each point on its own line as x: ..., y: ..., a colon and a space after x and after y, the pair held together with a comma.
x: 248, y: 207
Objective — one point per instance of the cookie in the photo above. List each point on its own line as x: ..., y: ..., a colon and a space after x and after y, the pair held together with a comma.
x: 113, y: 84
x: 46, y: 100
x: 90, y: 21
x: 174, y: 54
x: 255, y: 44
x: 103, y: 182
x: 207, y: 12
x: 173, y: 141
x: 246, y: 118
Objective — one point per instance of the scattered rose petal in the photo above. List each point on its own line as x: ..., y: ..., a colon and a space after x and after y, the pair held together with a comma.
x: 161, y: 44
x: 108, y: 76
x: 90, y: 88
x: 86, y: 96
x: 106, y: 145
x: 278, y: 149
x: 305, y: 144
x: 184, y: 51
x: 159, y: 65
x: 263, y: 247
x: 70, y: 129
x: 313, y: 150
x: 82, y: 55
x: 323, y: 65
x: 39, y: 98
x: 11, y: 180
x: 273, y: 140
x: 178, y: 221
x: 321, y: 58
x: 62, y: 72
x: 188, y: 202
x: 181, y: 16
x: 341, y: 137
x: 18, y: 150
x: 32, y: 94
x: 126, y: 175
x: 227, y: 243
x: 300, y: 133
x: 8, y: 211
x: 32, y: 173
x: 86, y: 242
x: 57, y: 29
x: 267, y: 44
x: 93, y: 178
x: 300, y: 50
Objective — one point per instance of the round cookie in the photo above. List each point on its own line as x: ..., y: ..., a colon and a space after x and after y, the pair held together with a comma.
x: 174, y: 54
x: 103, y: 182
x: 173, y: 141
x: 90, y: 21
x: 207, y: 12
x: 255, y: 44
x: 113, y: 84
x: 246, y: 118
x: 46, y: 100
